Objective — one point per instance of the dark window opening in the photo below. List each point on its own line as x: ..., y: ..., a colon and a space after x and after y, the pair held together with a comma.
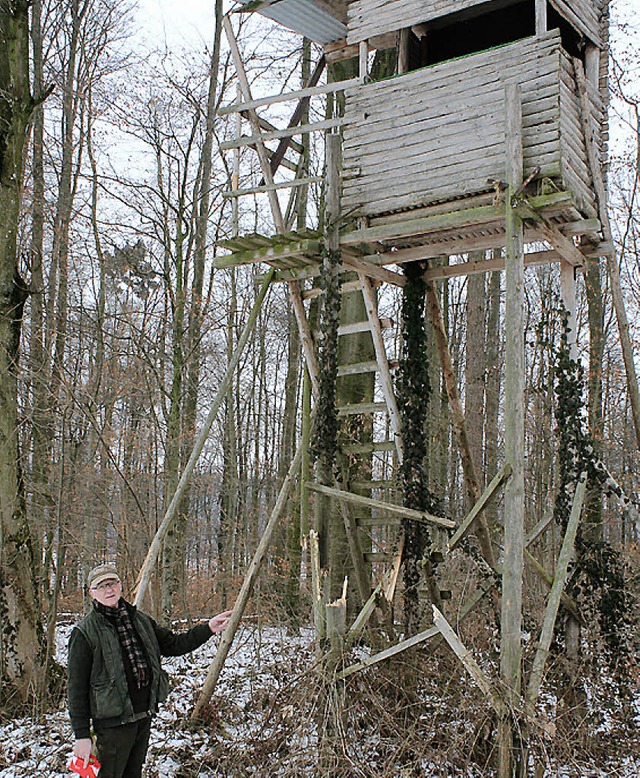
x: 483, y: 27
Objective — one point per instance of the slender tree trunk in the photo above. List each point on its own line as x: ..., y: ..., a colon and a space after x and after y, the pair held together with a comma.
x: 475, y: 370
x: 22, y: 649
x: 492, y: 391
x: 40, y: 503
x: 592, y: 519
x: 229, y: 491
x: 203, y: 207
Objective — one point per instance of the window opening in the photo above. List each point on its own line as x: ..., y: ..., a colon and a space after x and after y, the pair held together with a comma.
x: 483, y: 27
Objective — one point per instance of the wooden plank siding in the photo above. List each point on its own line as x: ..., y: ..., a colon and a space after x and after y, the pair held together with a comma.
x: 368, y: 18
x: 575, y: 168
x: 438, y: 133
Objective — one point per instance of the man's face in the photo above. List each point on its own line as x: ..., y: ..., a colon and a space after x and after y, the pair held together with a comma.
x: 107, y: 592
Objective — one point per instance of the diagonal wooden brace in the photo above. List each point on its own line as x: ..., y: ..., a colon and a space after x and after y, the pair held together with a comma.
x: 563, y: 245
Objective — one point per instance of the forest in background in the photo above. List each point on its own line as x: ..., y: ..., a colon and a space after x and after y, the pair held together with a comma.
x: 127, y: 329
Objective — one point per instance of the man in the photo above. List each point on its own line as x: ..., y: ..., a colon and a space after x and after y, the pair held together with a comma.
x: 115, y: 678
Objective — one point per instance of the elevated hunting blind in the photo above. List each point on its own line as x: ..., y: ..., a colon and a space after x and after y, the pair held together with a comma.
x: 486, y: 149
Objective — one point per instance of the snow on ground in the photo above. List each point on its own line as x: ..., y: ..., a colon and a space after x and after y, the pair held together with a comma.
x: 262, y: 663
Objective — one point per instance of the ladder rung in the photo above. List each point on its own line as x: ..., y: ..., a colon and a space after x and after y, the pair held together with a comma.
x: 368, y: 448
x: 355, y: 408
x: 345, y: 288
x: 358, y: 367
x: 363, y: 326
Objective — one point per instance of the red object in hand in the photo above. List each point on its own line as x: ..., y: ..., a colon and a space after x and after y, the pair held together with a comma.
x: 76, y: 765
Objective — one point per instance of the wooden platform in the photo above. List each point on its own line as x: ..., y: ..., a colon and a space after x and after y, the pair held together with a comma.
x: 443, y: 230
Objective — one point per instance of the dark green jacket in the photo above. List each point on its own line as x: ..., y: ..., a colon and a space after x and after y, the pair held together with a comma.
x: 97, y: 680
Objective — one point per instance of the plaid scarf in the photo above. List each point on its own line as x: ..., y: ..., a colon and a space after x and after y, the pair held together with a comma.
x: 129, y: 639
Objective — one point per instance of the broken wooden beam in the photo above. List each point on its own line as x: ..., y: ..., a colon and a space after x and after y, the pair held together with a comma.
x: 369, y: 502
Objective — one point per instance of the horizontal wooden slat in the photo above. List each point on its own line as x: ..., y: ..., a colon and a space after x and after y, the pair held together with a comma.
x: 322, y: 89
x: 273, y: 187
x: 378, y: 556
x: 300, y: 129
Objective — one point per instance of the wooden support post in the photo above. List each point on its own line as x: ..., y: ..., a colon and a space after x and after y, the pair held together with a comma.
x: 306, y: 337
x: 369, y: 502
x: 363, y: 580
x: 305, y: 443
x: 332, y: 244
x: 500, y: 477
x: 363, y: 60
x: 513, y: 564
x: 541, y: 16
x: 367, y: 610
x: 568, y: 602
x: 336, y: 620
x: 540, y: 527
x: 464, y: 655
x: 389, y: 652
x: 245, y: 590
x: 154, y: 549
x: 386, y: 380
x: 316, y: 587
x: 568, y: 293
x: 403, y: 50
x: 390, y: 588
x: 551, y: 612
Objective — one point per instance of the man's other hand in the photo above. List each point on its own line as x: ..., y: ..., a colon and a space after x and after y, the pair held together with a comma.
x: 82, y: 749
x: 218, y: 623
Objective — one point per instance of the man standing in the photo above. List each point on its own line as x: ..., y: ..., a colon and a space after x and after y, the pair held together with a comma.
x: 115, y: 678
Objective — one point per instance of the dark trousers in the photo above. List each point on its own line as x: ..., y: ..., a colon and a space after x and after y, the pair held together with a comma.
x: 122, y: 750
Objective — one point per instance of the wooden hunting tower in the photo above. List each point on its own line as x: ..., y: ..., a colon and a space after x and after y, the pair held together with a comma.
x: 435, y: 133
x: 489, y: 137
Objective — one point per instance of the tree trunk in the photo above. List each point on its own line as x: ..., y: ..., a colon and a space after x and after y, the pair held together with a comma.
x: 475, y: 371
x: 592, y: 519
x: 22, y: 650
x: 492, y: 389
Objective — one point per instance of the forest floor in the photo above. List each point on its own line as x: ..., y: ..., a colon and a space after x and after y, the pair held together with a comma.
x: 264, y: 717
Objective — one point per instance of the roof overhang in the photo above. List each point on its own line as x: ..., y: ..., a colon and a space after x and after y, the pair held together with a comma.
x: 322, y: 21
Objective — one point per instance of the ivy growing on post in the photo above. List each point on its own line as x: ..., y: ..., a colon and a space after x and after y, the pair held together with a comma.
x: 413, y: 390
x: 325, y: 437
x: 598, y: 580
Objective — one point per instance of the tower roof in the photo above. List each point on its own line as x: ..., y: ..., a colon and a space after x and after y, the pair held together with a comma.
x: 322, y: 21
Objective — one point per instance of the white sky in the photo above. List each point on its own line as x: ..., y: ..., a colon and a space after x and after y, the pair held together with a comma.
x: 177, y: 22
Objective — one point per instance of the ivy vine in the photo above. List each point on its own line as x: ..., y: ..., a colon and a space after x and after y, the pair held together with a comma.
x: 598, y: 579
x: 325, y: 438
x: 413, y: 390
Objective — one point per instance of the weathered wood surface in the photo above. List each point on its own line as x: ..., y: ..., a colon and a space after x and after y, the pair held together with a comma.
x: 367, y: 18
x: 368, y: 502
x: 445, y: 137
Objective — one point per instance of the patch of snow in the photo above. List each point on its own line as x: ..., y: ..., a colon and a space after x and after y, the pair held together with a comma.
x: 247, y: 710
